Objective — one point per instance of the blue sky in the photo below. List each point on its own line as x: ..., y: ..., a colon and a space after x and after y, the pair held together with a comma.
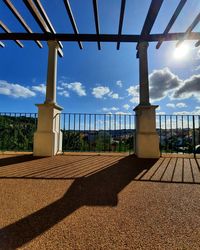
x: 93, y: 81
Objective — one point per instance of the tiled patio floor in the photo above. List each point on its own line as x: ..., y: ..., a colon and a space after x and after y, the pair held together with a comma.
x: 99, y: 202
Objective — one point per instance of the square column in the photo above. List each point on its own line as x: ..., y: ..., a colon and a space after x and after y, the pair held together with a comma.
x: 48, y: 137
x: 147, y: 139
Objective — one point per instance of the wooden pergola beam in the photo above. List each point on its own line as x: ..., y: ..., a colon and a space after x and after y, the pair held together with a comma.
x: 20, y: 19
x: 6, y: 29
x: 172, y: 20
x: 197, y: 43
x: 101, y: 37
x: 72, y: 20
x: 189, y: 29
x: 2, y: 45
x: 46, y: 18
x: 96, y: 19
x: 39, y: 19
x: 121, y: 19
x: 150, y: 18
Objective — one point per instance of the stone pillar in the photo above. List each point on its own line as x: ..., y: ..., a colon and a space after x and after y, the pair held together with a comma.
x: 147, y: 139
x: 48, y: 137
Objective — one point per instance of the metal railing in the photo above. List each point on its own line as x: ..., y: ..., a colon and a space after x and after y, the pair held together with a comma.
x: 102, y: 132
x: 98, y: 132
x: 179, y: 133
x: 16, y: 131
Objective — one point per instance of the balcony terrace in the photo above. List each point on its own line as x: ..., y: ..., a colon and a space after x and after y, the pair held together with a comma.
x: 110, y: 201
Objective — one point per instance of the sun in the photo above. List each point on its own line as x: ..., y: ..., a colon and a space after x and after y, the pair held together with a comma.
x: 181, y: 51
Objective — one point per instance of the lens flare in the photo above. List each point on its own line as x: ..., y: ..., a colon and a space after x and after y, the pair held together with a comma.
x: 181, y: 51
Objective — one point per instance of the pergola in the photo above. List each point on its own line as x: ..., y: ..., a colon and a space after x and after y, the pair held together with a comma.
x: 48, y: 137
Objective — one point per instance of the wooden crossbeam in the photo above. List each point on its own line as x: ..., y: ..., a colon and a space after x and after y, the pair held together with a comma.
x: 123, y: 4
x: 72, y: 20
x: 20, y: 19
x: 96, y: 18
x: 101, y: 37
x: 2, y: 45
x: 189, y: 29
x: 6, y: 29
x: 172, y: 20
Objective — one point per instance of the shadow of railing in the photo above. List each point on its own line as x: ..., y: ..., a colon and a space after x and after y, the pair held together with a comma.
x: 98, y: 188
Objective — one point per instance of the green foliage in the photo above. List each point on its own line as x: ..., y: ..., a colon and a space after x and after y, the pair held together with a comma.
x: 16, y: 133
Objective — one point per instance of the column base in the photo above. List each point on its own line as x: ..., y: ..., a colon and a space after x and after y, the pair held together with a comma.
x: 48, y: 137
x: 147, y: 139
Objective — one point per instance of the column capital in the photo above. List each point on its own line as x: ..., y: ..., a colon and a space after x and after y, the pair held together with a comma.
x: 143, y: 45
x: 53, y: 43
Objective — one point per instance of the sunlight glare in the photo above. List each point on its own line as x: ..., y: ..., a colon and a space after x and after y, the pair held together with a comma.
x: 181, y: 51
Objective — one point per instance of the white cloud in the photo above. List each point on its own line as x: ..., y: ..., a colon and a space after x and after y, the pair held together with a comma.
x: 103, y: 92
x: 60, y: 88
x: 163, y: 83
x: 170, y: 105
x: 123, y: 113
x: 181, y: 105
x: 134, y: 92
x: 134, y: 100
x: 64, y: 93
x: 119, y: 83
x: 77, y: 87
x: 110, y: 109
x: 113, y: 95
x: 40, y: 88
x: 126, y: 106
x: 15, y: 90
x: 160, y: 113
x: 178, y: 105
x: 194, y: 112
x: 100, y: 91
x: 190, y: 87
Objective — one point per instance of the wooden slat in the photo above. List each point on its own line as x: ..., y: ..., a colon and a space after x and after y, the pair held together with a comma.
x: 6, y: 29
x: 195, y: 170
x: 72, y: 20
x: 187, y: 172
x: 150, y: 19
x: 189, y: 29
x: 151, y: 16
x: 20, y: 19
x: 151, y: 172
x: 161, y: 170
x: 168, y: 174
x: 46, y: 19
x: 197, y: 44
x: 38, y: 18
x: 123, y: 4
x: 96, y: 18
x: 172, y: 20
x: 178, y: 171
x: 2, y: 45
